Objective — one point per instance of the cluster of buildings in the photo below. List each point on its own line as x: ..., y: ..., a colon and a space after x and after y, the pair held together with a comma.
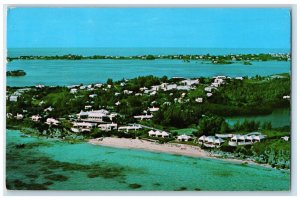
x: 233, y: 139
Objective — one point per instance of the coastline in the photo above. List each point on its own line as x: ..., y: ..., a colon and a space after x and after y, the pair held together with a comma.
x: 170, y: 148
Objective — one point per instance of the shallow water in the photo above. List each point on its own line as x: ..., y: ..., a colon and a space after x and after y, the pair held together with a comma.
x: 88, y: 167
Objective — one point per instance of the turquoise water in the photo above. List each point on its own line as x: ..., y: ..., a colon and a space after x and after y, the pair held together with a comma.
x: 278, y: 118
x: 127, y: 169
x: 67, y: 72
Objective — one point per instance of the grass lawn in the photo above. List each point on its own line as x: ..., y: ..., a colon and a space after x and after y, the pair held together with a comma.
x: 187, y: 131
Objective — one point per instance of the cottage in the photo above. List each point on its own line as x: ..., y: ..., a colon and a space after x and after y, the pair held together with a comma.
x: 19, y: 116
x: 183, y: 87
x: 158, y: 133
x: 93, y: 116
x: 117, y: 103
x: 35, y: 118
x: 184, y: 138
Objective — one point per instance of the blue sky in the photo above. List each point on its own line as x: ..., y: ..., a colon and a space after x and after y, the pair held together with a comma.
x: 149, y: 27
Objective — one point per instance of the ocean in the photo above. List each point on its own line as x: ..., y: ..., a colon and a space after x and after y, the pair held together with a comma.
x: 58, y: 165
x: 69, y: 72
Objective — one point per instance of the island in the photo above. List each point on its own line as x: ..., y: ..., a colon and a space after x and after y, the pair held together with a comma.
x: 182, y: 115
x: 215, y: 59
x: 16, y: 73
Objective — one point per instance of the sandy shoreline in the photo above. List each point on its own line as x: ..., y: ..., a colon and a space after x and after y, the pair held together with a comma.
x: 170, y: 148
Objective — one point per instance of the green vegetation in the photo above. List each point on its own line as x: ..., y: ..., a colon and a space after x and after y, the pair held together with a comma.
x: 179, y: 112
x: 16, y: 73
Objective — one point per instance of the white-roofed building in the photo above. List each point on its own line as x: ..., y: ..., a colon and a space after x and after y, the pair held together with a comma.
x: 82, y: 126
x: 52, y: 121
x: 35, y: 118
x: 184, y: 138
x: 108, y: 127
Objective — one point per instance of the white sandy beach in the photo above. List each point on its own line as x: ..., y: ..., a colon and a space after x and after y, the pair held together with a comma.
x: 170, y: 148
x: 180, y: 149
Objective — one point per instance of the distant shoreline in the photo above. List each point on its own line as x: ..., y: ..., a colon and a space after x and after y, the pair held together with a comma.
x: 214, y: 59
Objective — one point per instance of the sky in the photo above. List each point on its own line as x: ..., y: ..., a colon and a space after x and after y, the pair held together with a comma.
x: 148, y: 27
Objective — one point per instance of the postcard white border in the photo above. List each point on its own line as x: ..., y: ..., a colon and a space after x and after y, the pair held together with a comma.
x: 155, y: 3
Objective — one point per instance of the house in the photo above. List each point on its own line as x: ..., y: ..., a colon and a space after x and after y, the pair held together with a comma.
x: 209, y: 89
x: 9, y: 115
x: 247, y: 139
x: 183, y: 87
x: 285, y: 138
x: 73, y: 90
x: 143, y: 89
x: 87, y: 107
x: 153, y: 109
x: 286, y: 97
x: 82, y: 126
x: 92, y: 95
x: 48, y: 109
x: 35, y: 118
x: 13, y: 98
x: 209, y: 94
x: 184, y: 138
x: 52, y: 121
x: 199, y: 100
x: 190, y: 82
x: 155, y: 87
x: 93, y: 116
x: 239, y: 78
x: 40, y: 86
x: 142, y: 117
x: 19, y: 116
x: 117, y: 103
x: 158, y: 133
x: 117, y: 94
x: 129, y: 128
x: 98, y: 85
x: 138, y: 94
x: 108, y: 127
x: 211, y: 141
x: 153, y: 93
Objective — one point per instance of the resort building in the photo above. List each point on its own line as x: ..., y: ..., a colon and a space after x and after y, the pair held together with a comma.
x: 93, y: 116
x: 129, y: 128
x: 52, y: 121
x: 184, y: 138
x: 210, y: 141
x: 108, y: 127
x: 247, y: 139
x: 190, y: 82
x: 83, y: 126
x: 157, y: 133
